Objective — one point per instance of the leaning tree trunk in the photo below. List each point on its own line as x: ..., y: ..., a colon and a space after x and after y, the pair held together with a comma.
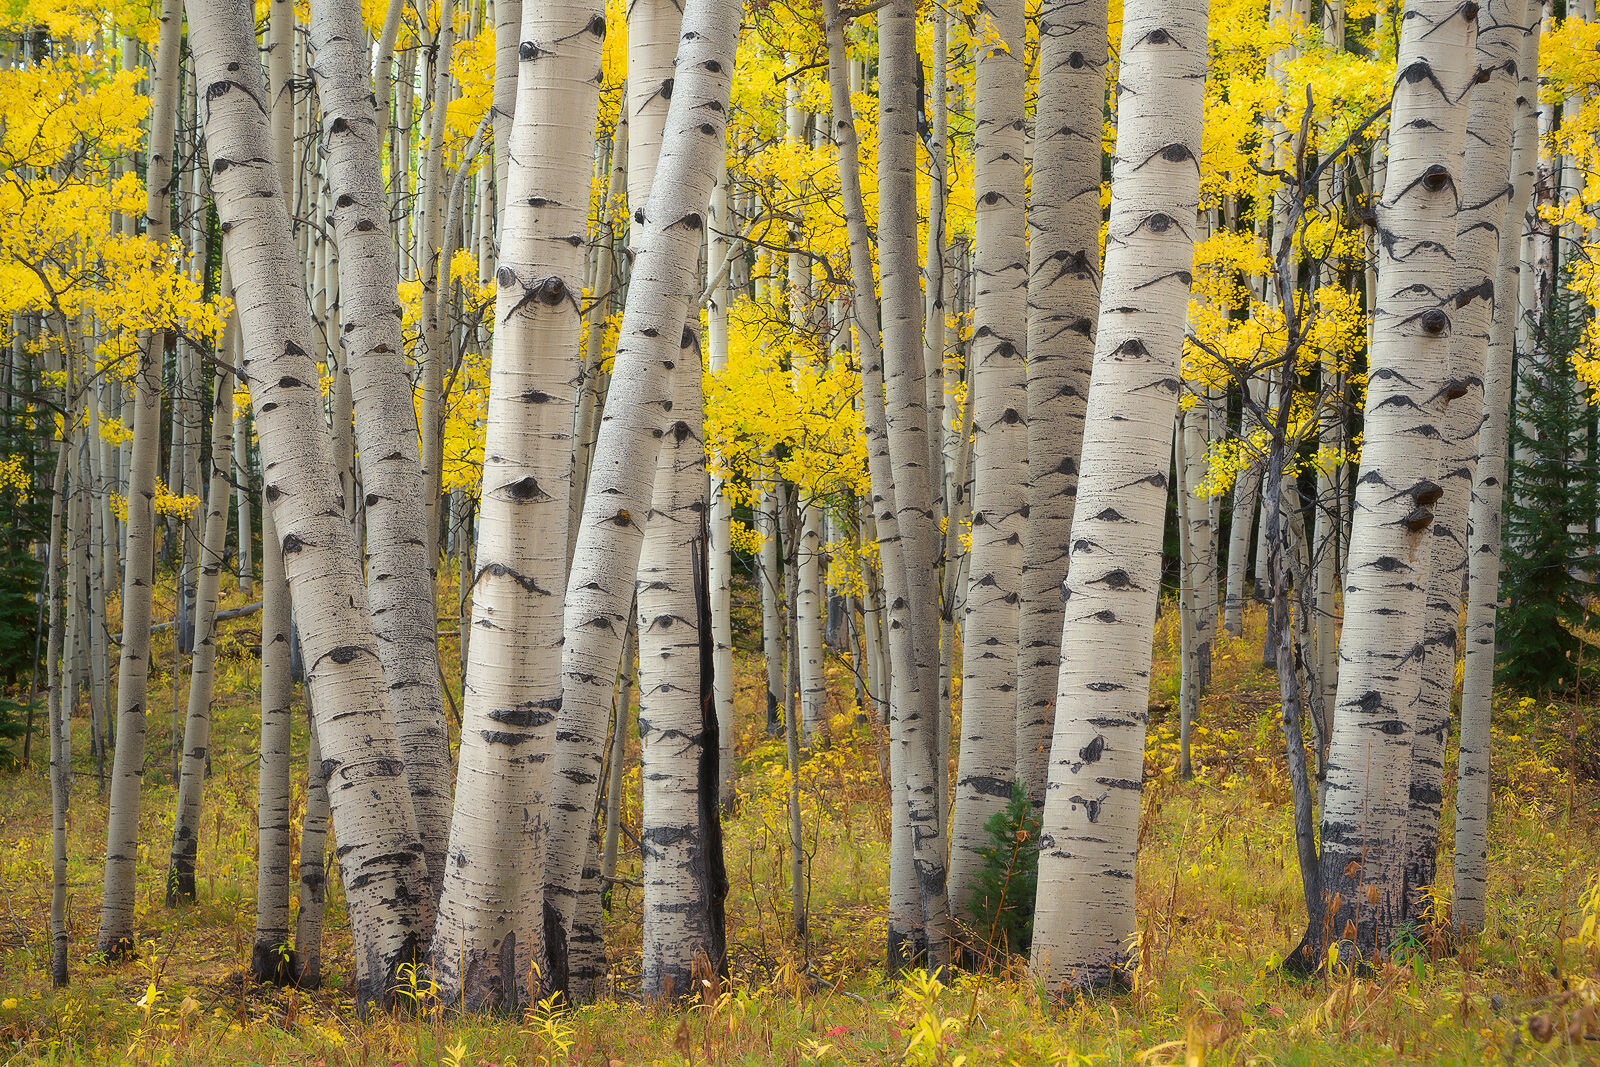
x: 382, y: 864
x: 1485, y: 213
x: 399, y: 567
x: 117, y: 936
x: 492, y: 915
x: 1369, y: 762
x: 1063, y: 300
x: 652, y: 339
x: 1084, y: 922
x: 999, y: 451
x: 1483, y: 517
x: 202, y: 671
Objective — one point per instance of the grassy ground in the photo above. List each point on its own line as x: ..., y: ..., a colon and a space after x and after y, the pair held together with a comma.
x: 1219, y: 905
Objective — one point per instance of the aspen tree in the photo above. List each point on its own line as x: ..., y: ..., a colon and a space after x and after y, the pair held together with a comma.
x: 1063, y: 301
x: 1486, y: 211
x: 719, y: 248
x: 117, y: 935
x: 399, y: 585
x: 381, y: 860
x: 1484, y: 512
x: 681, y: 839
x: 202, y: 671
x: 270, y: 956
x: 492, y: 920
x: 60, y: 723
x: 652, y: 340
x: 1369, y: 764
x: 1084, y: 920
x: 999, y: 411
x: 913, y: 719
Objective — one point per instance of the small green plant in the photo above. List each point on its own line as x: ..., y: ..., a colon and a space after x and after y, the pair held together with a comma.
x: 1004, y: 887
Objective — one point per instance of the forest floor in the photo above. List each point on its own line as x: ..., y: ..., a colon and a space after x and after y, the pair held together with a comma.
x: 1219, y: 905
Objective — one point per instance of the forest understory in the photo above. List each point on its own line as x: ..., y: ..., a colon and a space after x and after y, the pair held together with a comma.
x: 1219, y: 907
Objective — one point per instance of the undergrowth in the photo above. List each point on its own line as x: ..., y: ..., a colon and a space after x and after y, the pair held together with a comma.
x: 1218, y: 892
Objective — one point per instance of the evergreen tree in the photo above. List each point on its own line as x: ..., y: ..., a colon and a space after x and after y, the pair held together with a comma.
x: 1547, y: 584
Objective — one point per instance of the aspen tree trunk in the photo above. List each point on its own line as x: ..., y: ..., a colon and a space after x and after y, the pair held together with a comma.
x: 507, y: 63
x: 383, y: 868
x: 246, y: 564
x: 806, y: 546
x: 652, y: 340
x: 1484, y: 216
x: 914, y: 719
x: 1063, y: 301
x: 619, y: 750
x: 313, y: 894
x: 399, y: 585
x: 1246, y: 490
x: 586, y: 951
x: 681, y: 840
x: 1365, y: 813
x: 653, y: 27
x: 59, y: 715
x: 492, y: 923
x: 606, y: 289
x: 435, y: 275
x: 270, y: 957
x: 934, y: 268
x: 721, y: 536
x: 1484, y: 513
x: 909, y: 932
x: 1084, y: 922
x: 772, y: 643
x: 999, y: 411
x: 202, y: 671
x: 117, y: 936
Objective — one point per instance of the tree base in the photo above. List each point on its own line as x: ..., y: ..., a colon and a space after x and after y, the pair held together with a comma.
x: 274, y: 963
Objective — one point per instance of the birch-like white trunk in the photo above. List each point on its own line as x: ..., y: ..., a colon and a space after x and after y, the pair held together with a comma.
x: 681, y: 839
x: 1000, y: 448
x: 1084, y: 920
x: 1063, y: 302
x: 1484, y: 514
x: 490, y: 933
x: 117, y: 935
x: 202, y: 670
x: 913, y: 595
x: 1369, y: 763
x: 399, y: 580
x: 652, y: 340
x: 1486, y: 211
x: 382, y: 864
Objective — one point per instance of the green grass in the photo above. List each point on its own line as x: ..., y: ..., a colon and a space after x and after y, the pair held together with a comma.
x: 1219, y: 905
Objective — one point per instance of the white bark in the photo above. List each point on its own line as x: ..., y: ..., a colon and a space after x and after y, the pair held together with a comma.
x: 1000, y: 459
x: 721, y: 563
x: 652, y: 339
x: 1484, y: 515
x: 1084, y: 922
x: 1364, y: 817
x: 681, y: 839
x: 492, y: 921
x: 1063, y: 299
x: 383, y: 869
x: 399, y: 581
x: 202, y: 671
x: 913, y: 596
x: 1486, y: 213
x: 117, y: 935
